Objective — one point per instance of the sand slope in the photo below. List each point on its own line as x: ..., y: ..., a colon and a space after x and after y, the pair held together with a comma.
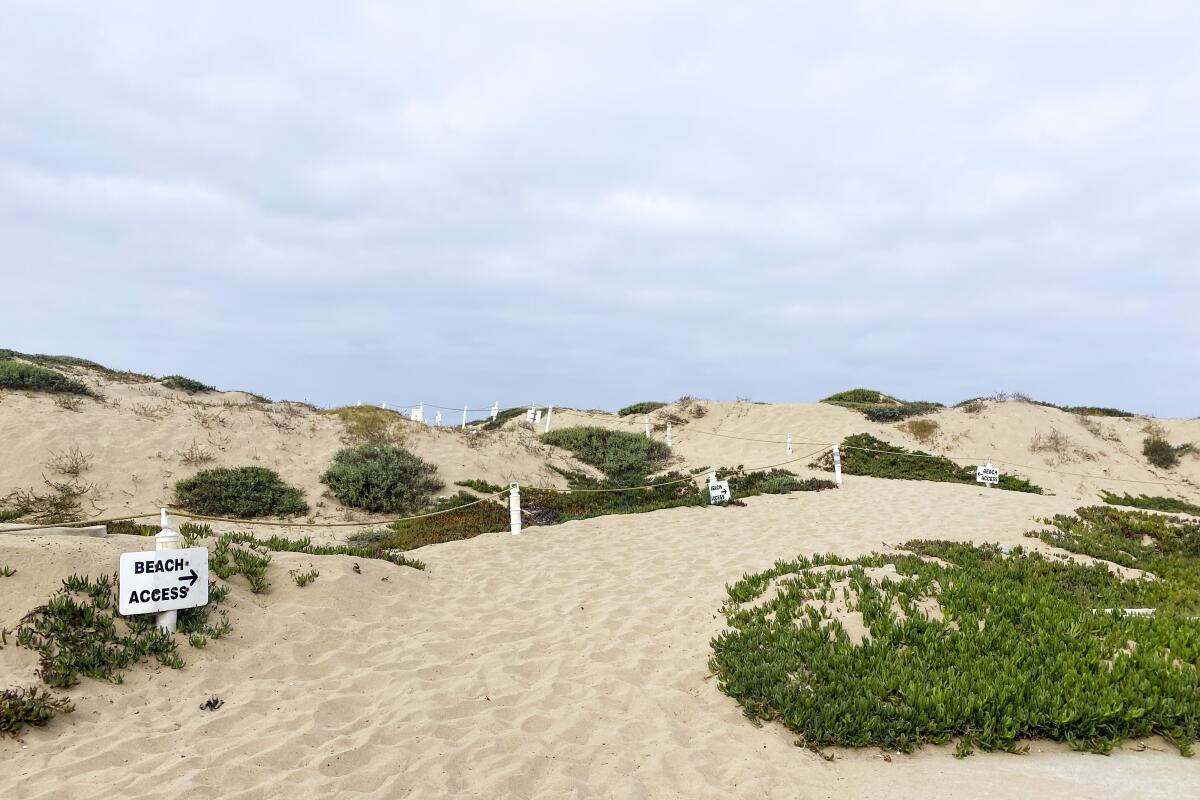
x: 568, y: 662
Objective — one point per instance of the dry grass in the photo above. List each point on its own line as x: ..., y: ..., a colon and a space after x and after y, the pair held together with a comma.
x: 72, y: 462
x: 149, y: 411
x: 195, y: 455
x: 68, y: 402
x: 923, y: 430
x: 371, y: 425
x: 1060, y: 447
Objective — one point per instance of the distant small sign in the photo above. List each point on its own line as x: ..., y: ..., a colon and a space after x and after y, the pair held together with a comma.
x: 988, y: 474
x: 718, y: 492
x: 163, y: 580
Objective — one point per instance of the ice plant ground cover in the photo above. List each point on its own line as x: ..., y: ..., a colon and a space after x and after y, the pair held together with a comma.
x: 951, y: 641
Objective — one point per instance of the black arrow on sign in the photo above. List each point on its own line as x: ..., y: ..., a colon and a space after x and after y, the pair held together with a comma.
x: 193, y: 578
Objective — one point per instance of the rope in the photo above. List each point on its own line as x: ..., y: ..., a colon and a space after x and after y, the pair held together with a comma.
x: 272, y: 523
x: 1014, y: 464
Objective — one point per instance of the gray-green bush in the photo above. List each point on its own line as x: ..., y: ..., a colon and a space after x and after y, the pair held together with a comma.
x: 381, y: 479
x: 242, y: 492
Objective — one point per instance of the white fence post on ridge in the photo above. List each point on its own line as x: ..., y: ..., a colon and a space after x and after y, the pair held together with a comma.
x: 669, y: 442
x: 514, y: 507
x: 464, y: 424
x: 549, y: 413
x: 837, y: 465
x: 495, y: 410
x: 167, y: 539
x: 437, y: 420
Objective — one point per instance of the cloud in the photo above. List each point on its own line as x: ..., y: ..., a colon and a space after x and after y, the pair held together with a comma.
x: 585, y: 203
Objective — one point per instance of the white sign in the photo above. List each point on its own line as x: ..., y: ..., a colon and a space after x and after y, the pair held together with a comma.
x: 718, y: 492
x: 988, y: 474
x: 163, y: 580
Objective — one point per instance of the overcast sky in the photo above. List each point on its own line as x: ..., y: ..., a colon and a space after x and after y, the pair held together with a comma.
x: 591, y: 204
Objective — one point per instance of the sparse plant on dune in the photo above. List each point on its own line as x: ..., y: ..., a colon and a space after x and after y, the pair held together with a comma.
x: 150, y: 411
x: 1059, y: 446
x: 69, y: 402
x: 195, y: 454
x: 1161, y: 453
x: 31, y: 707
x: 72, y: 462
x: 303, y: 579
x: 60, y: 501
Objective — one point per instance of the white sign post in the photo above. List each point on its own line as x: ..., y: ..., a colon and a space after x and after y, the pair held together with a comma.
x: 464, y: 422
x: 514, y: 508
x: 163, y: 580
x: 988, y: 475
x: 718, y: 491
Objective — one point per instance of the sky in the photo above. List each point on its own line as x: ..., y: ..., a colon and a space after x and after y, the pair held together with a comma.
x: 591, y: 204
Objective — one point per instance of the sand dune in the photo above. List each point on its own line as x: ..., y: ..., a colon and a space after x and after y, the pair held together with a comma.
x: 570, y: 661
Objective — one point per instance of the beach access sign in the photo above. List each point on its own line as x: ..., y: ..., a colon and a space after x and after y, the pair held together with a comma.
x: 988, y: 474
x: 163, y: 580
x: 718, y: 492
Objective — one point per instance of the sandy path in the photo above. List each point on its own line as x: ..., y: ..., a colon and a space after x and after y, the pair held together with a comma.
x: 568, y: 662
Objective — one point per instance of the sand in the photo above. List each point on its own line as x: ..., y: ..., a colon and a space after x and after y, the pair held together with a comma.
x: 570, y: 661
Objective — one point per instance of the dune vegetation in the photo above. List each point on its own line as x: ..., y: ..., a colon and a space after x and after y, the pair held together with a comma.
x: 863, y: 454
x: 879, y: 407
x: 952, y: 641
x: 242, y: 492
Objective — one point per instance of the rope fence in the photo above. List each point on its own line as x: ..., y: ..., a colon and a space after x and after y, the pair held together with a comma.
x: 534, y: 416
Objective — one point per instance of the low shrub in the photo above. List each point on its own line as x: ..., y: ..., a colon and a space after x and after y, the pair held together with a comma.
x: 640, y: 408
x: 879, y: 407
x: 1170, y: 504
x: 32, y: 707
x: 775, y: 481
x: 863, y: 454
x: 10, y: 514
x: 1097, y: 411
x: 1160, y: 453
x: 980, y: 646
x: 622, y: 456
x: 17, y: 375
x: 379, y: 478
x: 481, y: 486
x: 182, y: 384
x: 503, y: 416
x: 242, y: 492
x: 860, y: 396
